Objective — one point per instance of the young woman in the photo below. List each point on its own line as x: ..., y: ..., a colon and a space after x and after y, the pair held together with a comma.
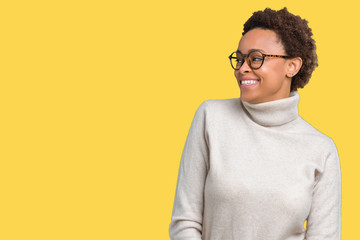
x: 251, y: 167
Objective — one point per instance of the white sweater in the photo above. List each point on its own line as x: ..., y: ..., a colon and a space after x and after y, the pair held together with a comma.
x: 256, y: 172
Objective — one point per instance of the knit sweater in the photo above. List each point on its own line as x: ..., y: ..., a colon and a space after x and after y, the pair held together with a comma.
x: 256, y: 172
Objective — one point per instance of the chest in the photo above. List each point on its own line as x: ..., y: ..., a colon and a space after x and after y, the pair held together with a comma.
x: 262, y: 170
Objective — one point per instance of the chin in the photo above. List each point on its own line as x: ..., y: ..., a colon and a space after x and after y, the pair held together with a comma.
x: 248, y: 98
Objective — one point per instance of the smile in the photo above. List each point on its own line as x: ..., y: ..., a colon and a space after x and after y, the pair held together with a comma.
x: 246, y: 84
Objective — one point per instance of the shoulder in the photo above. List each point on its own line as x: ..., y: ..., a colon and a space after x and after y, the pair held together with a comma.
x: 316, y: 136
x: 219, y: 106
x: 217, y: 112
x: 323, y: 147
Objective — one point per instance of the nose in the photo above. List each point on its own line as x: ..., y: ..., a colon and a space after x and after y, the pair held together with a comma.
x: 245, y: 68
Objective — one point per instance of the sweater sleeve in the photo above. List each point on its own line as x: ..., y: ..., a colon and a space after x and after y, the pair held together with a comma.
x: 324, y: 220
x: 187, y: 215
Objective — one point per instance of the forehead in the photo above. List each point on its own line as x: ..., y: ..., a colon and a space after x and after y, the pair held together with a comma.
x: 264, y: 39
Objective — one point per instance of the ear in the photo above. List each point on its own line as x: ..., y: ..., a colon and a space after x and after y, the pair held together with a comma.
x: 293, y: 66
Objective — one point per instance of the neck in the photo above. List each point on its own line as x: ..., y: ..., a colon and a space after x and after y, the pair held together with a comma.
x: 273, y: 113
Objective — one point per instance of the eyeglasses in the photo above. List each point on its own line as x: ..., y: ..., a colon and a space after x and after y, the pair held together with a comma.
x: 255, y: 59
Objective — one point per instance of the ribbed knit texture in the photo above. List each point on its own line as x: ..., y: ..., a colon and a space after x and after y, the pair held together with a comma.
x: 256, y: 172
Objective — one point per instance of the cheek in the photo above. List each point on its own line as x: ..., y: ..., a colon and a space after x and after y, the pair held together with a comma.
x: 271, y: 74
x: 237, y: 74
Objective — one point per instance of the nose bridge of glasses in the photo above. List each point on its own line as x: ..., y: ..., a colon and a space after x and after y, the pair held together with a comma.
x: 241, y: 57
x: 246, y: 57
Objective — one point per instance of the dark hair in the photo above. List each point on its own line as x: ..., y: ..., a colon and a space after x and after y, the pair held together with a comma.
x: 295, y: 35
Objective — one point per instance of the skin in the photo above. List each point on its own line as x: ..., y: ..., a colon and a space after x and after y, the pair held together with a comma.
x: 275, y: 74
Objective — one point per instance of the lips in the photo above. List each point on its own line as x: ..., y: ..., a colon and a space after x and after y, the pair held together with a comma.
x: 248, y: 78
x: 247, y: 82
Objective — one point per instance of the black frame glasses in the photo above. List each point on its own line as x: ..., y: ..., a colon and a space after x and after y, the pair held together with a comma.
x: 239, y: 62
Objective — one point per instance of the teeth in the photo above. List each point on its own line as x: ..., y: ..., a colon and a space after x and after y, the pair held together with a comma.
x: 247, y: 82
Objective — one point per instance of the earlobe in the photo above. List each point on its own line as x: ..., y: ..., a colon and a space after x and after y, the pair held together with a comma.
x: 294, y: 66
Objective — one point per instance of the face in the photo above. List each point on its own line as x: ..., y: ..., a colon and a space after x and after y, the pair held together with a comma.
x: 271, y: 81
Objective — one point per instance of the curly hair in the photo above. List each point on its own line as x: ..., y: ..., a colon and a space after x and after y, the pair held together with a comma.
x: 295, y: 35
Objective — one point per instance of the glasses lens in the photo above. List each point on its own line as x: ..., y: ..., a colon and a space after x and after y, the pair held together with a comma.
x: 236, y: 60
x: 256, y: 59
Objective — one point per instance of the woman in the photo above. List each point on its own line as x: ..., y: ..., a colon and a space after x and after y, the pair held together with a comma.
x: 251, y: 167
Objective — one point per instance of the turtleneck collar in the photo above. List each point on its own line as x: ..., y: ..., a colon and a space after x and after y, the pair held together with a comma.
x: 273, y: 113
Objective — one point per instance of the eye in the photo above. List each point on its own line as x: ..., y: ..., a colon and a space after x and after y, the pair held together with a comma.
x: 256, y: 58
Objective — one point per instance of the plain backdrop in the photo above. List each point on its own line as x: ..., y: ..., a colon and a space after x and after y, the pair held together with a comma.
x: 97, y: 98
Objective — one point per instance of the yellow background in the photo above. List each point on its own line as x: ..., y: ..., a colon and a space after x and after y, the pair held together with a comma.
x: 97, y: 98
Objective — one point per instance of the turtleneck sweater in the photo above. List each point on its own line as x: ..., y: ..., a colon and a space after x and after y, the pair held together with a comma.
x: 256, y: 171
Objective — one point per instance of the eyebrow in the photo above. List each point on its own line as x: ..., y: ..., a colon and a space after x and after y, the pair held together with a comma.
x: 251, y: 50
